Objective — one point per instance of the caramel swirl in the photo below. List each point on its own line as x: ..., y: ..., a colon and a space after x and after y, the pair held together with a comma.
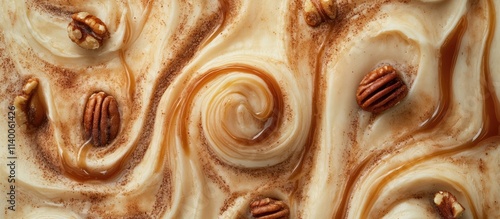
x: 242, y: 107
x: 222, y: 103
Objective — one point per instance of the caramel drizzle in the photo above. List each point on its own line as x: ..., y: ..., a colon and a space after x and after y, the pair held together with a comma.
x: 317, y: 92
x: 449, y: 53
x: 492, y: 109
x: 224, y: 7
x: 128, y: 40
x: 130, y: 37
x: 490, y: 127
x: 130, y: 79
x: 81, y: 171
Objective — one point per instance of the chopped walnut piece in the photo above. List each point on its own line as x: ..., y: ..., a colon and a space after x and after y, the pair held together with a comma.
x: 30, y: 110
x: 448, y: 206
x: 318, y: 11
x: 87, y: 31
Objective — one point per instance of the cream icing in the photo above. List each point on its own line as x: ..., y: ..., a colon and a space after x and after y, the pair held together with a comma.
x: 225, y: 101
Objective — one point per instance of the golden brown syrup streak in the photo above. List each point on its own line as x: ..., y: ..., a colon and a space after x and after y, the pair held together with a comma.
x: 311, y: 137
x: 491, y: 113
x: 181, y: 111
x: 492, y: 109
x: 129, y: 39
x: 449, y: 53
x: 130, y: 77
x: 353, y: 177
x: 127, y: 42
x: 82, y: 155
x: 446, y: 68
x: 224, y: 5
x: 81, y: 172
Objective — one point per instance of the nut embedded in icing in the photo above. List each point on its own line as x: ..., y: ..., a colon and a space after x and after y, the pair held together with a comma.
x: 268, y: 208
x: 343, y: 164
x: 318, y: 11
x: 87, y: 31
x: 101, y: 119
x: 447, y: 205
x: 380, y: 90
x: 329, y: 8
x: 29, y: 107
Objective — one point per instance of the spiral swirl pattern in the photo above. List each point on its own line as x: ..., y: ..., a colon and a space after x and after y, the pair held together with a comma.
x: 225, y: 102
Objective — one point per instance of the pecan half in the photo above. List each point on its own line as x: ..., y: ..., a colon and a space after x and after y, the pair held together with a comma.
x: 30, y: 109
x: 318, y: 11
x: 101, y: 119
x: 268, y: 208
x: 381, y: 89
x: 87, y: 31
x: 447, y: 205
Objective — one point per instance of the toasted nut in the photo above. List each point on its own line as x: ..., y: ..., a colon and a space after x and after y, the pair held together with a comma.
x: 101, y: 119
x: 268, y: 208
x: 329, y: 8
x: 87, y: 31
x: 311, y: 14
x: 380, y: 90
x: 30, y: 110
x: 447, y: 205
x: 317, y: 12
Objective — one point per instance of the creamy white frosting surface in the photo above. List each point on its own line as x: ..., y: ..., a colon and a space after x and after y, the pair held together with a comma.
x: 222, y: 102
